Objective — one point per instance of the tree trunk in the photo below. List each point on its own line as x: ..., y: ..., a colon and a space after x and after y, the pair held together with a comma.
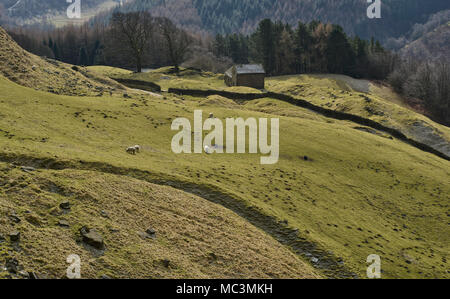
x: 139, y: 64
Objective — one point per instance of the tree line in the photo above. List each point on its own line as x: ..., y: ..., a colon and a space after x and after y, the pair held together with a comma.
x: 131, y: 40
x: 229, y: 16
x: 426, y: 81
x: 309, y: 48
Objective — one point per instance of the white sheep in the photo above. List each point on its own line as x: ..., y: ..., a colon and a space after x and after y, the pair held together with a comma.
x: 131, y: 150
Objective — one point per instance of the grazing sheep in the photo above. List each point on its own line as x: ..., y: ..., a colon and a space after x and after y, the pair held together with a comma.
x: 131, y: 150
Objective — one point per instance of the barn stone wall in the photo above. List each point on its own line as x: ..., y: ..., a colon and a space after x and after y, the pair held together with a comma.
x: 251, y: 80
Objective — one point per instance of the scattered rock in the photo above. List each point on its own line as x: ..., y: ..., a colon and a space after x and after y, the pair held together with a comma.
x: 63, y: 223
x: 126, y: 95
x: 2, y: 238
x: 65, y: 205
x: 55, y: 212
x: 314, y: 260
x: 373, y: 111
x: 24, y: 274
x: 33, y: 219
x: 306, y: 158
x: 104, y: 276
x: 151, y: 232
x: 14, y: 218
x: 104, y: 214
x: 166, y: 263
x: 212, y: 256
x: 27, y: 169
x: 12, y: 265
x: 148, y: 234
x: 93, y: 238
x: 14, y: 236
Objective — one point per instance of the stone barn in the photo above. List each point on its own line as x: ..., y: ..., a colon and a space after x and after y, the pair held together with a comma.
x: 250, y: 75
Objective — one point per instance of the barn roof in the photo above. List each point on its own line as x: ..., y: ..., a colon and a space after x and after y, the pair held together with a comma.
x: 250, y: 69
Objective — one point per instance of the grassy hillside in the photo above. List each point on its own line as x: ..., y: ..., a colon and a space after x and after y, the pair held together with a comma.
x: 337, y: 92
x: 49, y: 75
x: 361, y: 97
x: 194, y: 238
x: 359, y: 194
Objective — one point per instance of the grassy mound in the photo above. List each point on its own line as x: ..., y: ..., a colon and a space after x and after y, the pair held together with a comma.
x: 49, y: 75
x: 219, y: 101
x: 108, y: 71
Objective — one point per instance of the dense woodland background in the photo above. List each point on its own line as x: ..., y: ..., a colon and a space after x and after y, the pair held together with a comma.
x: 408, y: 47
x: 243, y: 16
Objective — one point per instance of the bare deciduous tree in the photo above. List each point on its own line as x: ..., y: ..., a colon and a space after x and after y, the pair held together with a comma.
x: 443, y: 89
x: 135, y: 30
x: 178, y: 42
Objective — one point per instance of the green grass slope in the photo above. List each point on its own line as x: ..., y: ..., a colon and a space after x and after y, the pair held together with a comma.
x: 363, y: 98
x: 50, y: 75
x: 194, y: 238
x: 337, y: 92
x: 359, y: 194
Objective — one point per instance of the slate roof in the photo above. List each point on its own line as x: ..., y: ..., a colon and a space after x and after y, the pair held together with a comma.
x: 250, y: 69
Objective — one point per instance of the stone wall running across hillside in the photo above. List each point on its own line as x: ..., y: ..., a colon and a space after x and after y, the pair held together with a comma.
x: 323, y: 111
x: 144, y: 85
